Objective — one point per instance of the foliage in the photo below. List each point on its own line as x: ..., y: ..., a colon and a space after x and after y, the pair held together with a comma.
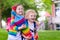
x: 46, y: 24
x: 28, y: 4
x: 6, y: 4
x: 48, y: 5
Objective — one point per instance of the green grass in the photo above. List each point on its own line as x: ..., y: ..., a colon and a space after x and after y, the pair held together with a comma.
x: 43, y: 35
x: 49, y: 35
x: 3, y: 34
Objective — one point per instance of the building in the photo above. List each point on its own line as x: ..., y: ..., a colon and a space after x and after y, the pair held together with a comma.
x: 56, y: 14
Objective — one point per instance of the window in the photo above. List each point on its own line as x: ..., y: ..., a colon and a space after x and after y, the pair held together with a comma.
x: 57, y: 9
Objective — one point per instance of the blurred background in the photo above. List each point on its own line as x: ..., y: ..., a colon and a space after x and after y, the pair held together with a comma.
x: 48, y: 14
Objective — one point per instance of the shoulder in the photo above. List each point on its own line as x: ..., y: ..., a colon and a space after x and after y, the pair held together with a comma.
x: 13, y: 13
x: 37, y: 23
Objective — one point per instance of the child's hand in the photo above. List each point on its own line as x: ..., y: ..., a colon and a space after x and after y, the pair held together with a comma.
x: 36, y: 36
x: 22, y: 27
x: 27, y: 37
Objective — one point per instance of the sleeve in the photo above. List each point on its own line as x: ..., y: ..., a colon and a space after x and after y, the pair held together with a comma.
x: 13, y: 25
x: 25, y: 22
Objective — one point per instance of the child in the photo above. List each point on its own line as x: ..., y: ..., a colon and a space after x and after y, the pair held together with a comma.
x: 17, y: 20
x: 8, y: 23
x: 31, y: 22
x: 13, y: 33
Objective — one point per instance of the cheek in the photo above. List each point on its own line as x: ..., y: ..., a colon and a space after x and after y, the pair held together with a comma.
x: 22, y: 10
x: 29, y: 18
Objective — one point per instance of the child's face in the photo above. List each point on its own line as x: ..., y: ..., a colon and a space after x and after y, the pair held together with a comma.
x: 20, y: 10
x: 31, y: 16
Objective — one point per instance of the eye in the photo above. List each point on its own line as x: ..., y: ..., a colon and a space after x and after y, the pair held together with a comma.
x: 31, y: 15
x: 34, y: 15
x: 19, y: 9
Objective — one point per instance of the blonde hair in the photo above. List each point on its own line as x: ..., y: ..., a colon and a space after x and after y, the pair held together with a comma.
x: 29, y: 10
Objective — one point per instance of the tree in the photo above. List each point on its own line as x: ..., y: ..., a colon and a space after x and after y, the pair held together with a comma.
x: 1, y: 8
x: 48, y: 4
x: 45, y: 5
x: 28, y: 4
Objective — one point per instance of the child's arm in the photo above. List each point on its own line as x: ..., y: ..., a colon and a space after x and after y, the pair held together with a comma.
x: 22, y: 27
x: 37, y: 23
x: 36, y: 36
x: 13, y: 14
x: 35, y: 32
x: 7, y: 27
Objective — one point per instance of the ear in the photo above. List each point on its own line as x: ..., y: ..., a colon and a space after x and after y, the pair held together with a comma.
x: 26, y: 16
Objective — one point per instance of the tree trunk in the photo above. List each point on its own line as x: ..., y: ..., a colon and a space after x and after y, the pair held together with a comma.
x: 0, y: 14
x: 0, y: 19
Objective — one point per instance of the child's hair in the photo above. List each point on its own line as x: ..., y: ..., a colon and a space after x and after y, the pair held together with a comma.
x: 30, y: 10
x: 15, y: 6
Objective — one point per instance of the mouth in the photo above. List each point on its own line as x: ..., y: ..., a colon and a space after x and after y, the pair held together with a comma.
x: 33, y: 19
x: 20, y: 12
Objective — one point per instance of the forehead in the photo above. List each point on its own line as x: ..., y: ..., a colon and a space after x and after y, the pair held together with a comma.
x: 31, y: 13
x: 19, y: 6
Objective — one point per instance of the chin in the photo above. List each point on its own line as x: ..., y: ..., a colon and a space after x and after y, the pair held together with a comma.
x: 20, y: 13
x: 32, y: 20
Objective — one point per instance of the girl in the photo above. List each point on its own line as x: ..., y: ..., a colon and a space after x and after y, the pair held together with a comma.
x: 31, y: 22
x: 13, y: 33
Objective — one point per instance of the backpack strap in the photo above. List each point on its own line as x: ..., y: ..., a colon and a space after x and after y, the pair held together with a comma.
x: 34, y: 27
x: 34, y: 24
x: 21, y: 36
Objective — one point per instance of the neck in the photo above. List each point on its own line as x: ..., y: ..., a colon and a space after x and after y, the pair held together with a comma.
x: 30, y: 22
x: 19, y: 14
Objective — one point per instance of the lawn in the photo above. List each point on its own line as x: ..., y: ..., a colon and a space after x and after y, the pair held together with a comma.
x: 43, y: 35
x: 49, y: 35
x: 3, y: 34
